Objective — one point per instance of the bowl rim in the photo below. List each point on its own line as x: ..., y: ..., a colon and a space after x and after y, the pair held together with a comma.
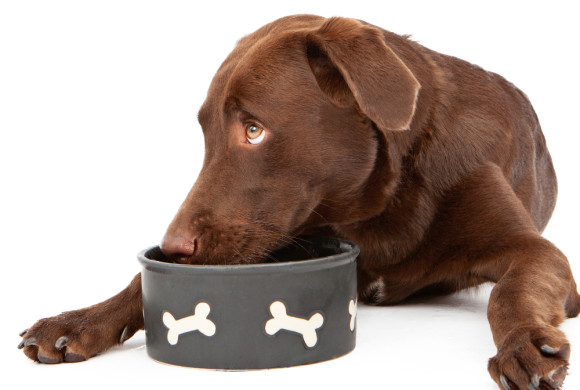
x: 349, y: 255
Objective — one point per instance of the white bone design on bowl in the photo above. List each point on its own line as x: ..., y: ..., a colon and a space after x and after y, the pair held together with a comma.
x: 198, y: 322
x: 281, y: 320
x: 352, y: 312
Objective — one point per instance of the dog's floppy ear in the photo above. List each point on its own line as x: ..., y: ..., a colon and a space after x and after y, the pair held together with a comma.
x: 350, y: 60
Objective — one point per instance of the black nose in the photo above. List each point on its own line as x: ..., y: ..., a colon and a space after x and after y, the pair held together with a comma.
x: 179, y: 248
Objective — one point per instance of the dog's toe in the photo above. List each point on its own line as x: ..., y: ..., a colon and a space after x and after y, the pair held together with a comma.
x: 69, y: 337
x: 531, y: 358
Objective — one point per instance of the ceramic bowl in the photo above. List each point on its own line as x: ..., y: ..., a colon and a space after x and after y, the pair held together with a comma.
x: 299, y: 308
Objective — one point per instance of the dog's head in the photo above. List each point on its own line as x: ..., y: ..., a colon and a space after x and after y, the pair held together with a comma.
x: 292, y: 125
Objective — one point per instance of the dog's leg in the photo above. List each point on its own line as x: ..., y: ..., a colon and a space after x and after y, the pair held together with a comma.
x: 535, y: 289
x: 534, y: 295
x: 80, y: 334
x: 484, y: 233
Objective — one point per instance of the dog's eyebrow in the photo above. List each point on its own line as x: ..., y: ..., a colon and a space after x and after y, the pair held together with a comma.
x: 233, y: 106
x: 245, y: 115
x: 232, y: 103
x: 203, y: 115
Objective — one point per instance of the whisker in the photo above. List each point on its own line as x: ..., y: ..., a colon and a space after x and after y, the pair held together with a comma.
x: 235, y: 248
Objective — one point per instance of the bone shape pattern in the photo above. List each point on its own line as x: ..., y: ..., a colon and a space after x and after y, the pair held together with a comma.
x: 352, y: 311
x: 198, y: 321
x: 281, y: 320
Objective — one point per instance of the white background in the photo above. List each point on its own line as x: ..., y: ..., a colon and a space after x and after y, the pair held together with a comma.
x: 99, y: 145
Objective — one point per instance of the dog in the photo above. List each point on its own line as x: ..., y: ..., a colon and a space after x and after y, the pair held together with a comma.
x: 437, y: 168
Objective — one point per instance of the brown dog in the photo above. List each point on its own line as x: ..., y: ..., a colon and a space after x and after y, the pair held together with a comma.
x: 435, y: 167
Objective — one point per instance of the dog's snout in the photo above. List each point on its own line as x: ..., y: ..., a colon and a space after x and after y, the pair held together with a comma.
x: 178, y: 248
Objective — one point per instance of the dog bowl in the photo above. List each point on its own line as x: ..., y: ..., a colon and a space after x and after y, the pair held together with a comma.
x: 299, y: 308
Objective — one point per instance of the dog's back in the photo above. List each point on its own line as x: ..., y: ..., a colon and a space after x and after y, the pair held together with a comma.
x: 473, y: 116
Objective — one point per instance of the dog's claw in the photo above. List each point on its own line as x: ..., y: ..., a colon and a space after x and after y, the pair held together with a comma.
x: 23, y: 332
x: 26, y: 343
x: 61, y: 342
x: 504, y: 382
x: 534, y: 383
x: 563, y: 352
x: 124, y: 335
x: 548, y: 350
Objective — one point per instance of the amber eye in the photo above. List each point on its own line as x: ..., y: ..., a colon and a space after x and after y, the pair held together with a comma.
x: 254, y: 133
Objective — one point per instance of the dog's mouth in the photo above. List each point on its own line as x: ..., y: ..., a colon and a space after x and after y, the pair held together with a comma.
x: 237, y: 246
x: 229, y: 236
x: 178, y: 260
x: 297, y: 248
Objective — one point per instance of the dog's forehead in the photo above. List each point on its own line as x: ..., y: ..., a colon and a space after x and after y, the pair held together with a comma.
x: 267, y: 66
x: 269, y: 62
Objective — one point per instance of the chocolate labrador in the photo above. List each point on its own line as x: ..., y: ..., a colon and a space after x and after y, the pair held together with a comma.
x: 435, y: 167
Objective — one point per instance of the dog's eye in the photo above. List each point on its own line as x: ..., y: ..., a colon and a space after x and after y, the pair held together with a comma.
x: 254, y: 133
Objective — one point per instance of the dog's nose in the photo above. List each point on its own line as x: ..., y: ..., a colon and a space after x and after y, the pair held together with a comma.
x: 178, y: 248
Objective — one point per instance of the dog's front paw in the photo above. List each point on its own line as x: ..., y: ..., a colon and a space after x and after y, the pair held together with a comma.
x: 530, y: 358
x: 72, y: 336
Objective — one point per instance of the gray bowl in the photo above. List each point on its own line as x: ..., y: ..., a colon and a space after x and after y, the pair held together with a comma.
x: 298, y: 309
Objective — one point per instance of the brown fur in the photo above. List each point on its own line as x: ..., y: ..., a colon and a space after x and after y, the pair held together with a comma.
x: 435, y: 167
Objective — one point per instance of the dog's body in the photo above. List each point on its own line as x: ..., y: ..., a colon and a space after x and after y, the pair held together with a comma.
x: 435, y: 167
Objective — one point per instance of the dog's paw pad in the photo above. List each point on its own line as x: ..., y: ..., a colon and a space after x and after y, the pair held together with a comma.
x: 71, y: 357
x: 47, y: 359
